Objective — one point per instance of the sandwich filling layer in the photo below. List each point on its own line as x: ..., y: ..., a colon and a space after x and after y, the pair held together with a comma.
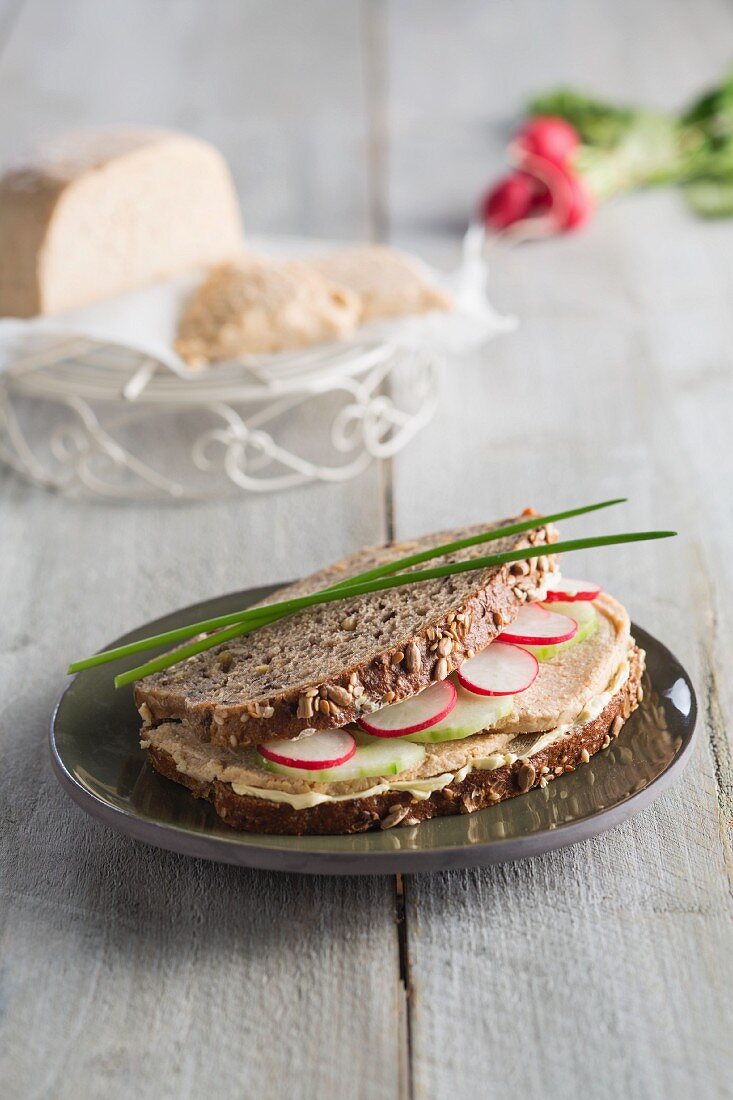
x: 570, y: 690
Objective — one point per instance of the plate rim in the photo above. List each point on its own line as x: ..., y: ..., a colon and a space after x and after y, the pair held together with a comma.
x: 236, y: 851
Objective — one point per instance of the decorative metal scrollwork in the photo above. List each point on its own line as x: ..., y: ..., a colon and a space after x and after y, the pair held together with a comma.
x: 87, y: 417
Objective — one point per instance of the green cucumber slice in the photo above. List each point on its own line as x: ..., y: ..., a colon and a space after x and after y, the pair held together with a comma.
x: 585, y: 616
x: 471, y: 714
x: 374, y: 756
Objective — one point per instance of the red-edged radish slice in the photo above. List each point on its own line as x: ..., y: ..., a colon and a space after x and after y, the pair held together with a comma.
x: 412, y: 715
x: 325, y: 749
x: 499, y: 670
x: 568, y: 591
x: 535, y: 626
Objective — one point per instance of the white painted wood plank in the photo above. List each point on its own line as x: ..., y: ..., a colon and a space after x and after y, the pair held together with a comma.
x: 279, y: 91
x: 9, y: 10
x: 128, y: 964
x: 129, y: 967
x: 655, y: 892
x: 603, y: 970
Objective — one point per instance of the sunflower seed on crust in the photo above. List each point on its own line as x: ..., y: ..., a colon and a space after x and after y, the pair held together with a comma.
x: 441, y: 669
x: 413, y: 658
x: 305, y: 707
x: 340, y: 696
x: 526, y: 776
x: 396, y: 814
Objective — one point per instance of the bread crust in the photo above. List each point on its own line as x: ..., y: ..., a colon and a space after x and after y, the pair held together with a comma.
x: 393, y: 673
x: 477, y: 791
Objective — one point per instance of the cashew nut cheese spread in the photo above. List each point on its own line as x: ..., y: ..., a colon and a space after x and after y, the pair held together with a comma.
x: 570, y: 689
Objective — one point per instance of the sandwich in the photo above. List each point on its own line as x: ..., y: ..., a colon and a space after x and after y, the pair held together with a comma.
x: 338, y: 707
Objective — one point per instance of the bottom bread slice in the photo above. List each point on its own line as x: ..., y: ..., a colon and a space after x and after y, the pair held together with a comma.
x: 476, y: 791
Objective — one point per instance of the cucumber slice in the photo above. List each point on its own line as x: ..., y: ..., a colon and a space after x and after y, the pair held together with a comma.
x: 585, y: 616
x: 471, y: 714
x: 374, y: 756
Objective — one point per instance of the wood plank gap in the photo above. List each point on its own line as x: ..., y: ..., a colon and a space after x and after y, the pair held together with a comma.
x: 8, y: 22
x: 376, y: 67
x: 407, y: 1085
x: 387, y: 472
x: 712, y: 711
x: 374, y: 21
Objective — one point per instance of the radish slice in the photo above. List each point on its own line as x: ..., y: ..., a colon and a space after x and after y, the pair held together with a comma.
x: 499, y: 669
x: 566, y: 590
x: 412, y: 715
x: 374, y: 756
x: 584, y: 613
x: 471, y: 714
x: 325, y: 749
x: 535, y: 626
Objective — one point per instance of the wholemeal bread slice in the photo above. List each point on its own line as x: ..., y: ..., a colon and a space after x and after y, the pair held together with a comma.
x: 512, y: 774
x: 327, y: 665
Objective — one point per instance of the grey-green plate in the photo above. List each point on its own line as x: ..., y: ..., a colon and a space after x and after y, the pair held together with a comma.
x: 97, y: 759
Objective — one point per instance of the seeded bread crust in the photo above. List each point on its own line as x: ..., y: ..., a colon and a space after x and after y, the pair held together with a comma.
x: 357, y: 655
x: 477, y: 791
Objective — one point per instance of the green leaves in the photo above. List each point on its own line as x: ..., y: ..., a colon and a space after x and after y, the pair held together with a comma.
x: 628, y: 147
x: 599, y: 123
x: 710, y: 198
x: 713, y: 111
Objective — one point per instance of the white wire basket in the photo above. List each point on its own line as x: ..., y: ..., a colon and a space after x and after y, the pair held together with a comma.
x: 98, y: 404
x: 89, y: 417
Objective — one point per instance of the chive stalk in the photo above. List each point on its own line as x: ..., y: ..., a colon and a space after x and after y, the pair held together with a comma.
x: 474, y: 540
x: 170, y: 637
x: 249, y: 620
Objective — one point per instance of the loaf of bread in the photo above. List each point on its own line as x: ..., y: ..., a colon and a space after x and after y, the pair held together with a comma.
x: 98, y: 214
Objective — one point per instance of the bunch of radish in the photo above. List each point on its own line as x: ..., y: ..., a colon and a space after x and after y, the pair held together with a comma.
x: 481, y: 695
x: 543, y: 194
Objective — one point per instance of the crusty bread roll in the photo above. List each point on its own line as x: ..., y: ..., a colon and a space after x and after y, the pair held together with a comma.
x: 258, y: 306
x: 389, y: 283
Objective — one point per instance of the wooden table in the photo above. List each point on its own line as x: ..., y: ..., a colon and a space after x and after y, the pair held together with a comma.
x: 604, y: 970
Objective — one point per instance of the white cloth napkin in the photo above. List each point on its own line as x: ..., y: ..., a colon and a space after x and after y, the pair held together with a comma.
x: 146, y: 320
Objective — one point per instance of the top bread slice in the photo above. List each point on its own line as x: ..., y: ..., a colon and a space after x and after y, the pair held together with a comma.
x: 325, y: 666
x: 388, y: 283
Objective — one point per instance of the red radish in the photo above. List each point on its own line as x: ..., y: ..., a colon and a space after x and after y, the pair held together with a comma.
x: 549, y: 137
x: 567, y: 591
x: 325, y: 749
x: 581, y: 204
x: 558, y: 191
x: 499, y: 670
x: 536, y: 626
x: 419, y: 712
x: 542, y: 199
x: 508, y: 201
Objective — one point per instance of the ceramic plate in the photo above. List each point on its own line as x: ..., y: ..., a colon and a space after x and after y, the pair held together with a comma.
x: 97, y: 759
